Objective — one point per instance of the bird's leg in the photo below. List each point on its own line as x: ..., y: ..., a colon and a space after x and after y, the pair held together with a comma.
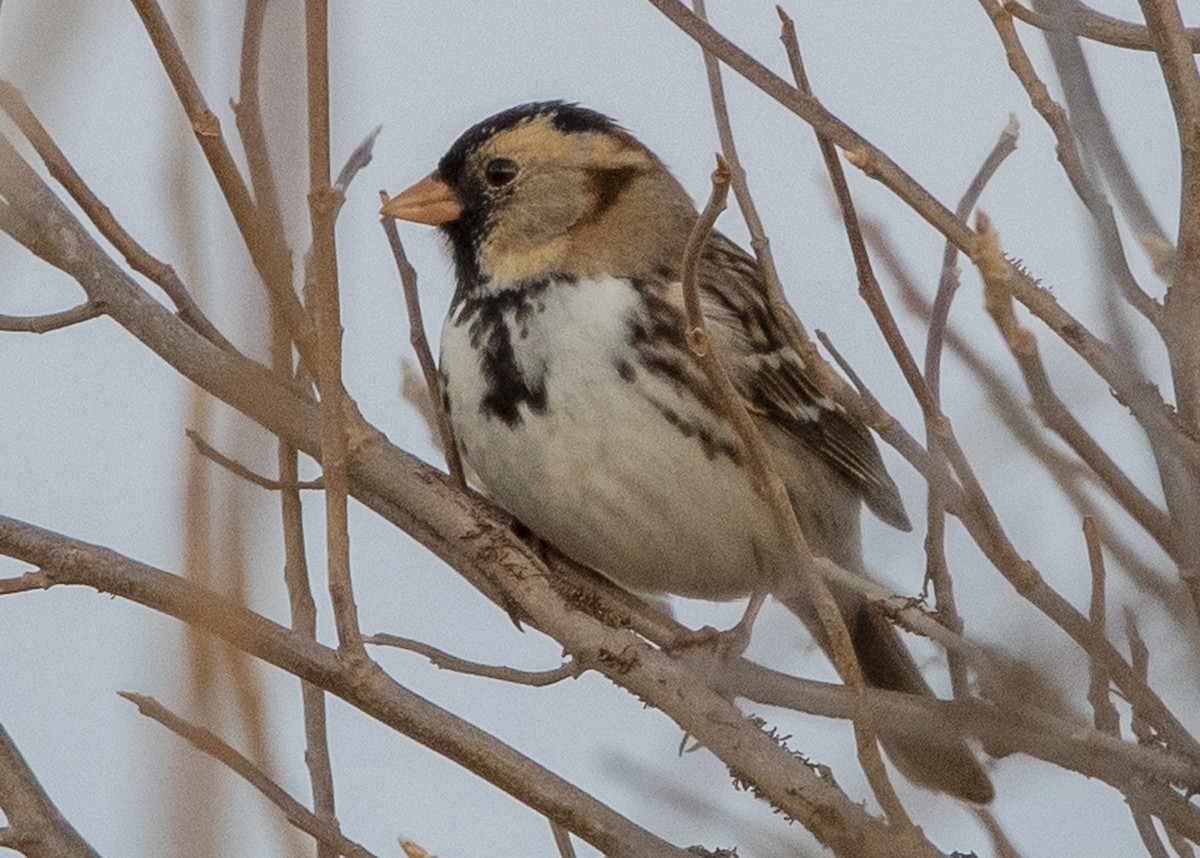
x: 730, y: 643
x: 739, y: 635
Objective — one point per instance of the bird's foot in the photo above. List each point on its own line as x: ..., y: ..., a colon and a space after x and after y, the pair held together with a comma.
x: 728, y: 644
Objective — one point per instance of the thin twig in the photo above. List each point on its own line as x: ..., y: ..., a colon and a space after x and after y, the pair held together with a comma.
x: 1003, y: 847
x: 238, y: 469
x: 843, y: 364
x: 248, y: 114
x: 771, y: 487
x: 948, y: 280
x: 562, y: 840
x: 321, y: 830
x: 1096, y: 134
x: 323, y: 202
x: 420, y: 344
x: 359, y: 158
x: 1182, y: 303
x: 1139, y: 658
x: 759, y: 242
x: 1145, y: 401
x: 414, y: 850
x: 1069, y: 156
x: 1142, y: 809
x: 1088, y: 23
x: 868, y: 285
x: 1104, y: 714
x: 163, y: 275
x: 535, y: 678
x: 271, y: 259
x: 699, y: 340
x: 1023, y: 346
x: 51, y: 321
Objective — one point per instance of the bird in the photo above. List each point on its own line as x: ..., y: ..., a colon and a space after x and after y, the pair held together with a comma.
x: 581, y: 410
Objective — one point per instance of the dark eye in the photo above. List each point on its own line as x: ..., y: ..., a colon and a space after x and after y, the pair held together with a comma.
x: 500, y: 171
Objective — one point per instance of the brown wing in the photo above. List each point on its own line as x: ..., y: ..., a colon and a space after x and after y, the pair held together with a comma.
x: 773, y: 380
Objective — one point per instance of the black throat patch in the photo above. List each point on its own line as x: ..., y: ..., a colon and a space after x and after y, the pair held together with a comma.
x: 493, y: 320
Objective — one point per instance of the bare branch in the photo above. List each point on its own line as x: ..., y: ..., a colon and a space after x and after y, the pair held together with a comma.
x: 35, y: 827
x: 1058, y: 739
x: 1104, y: 713
x: 1089, y: 23
x: 248, y: 115
x: 1116, y: 264
x: 238, y: 469
x: 66, y: 561
x: 948, y: 281
x: 271, y: 258
x: 323, y: 204
x: 868, y: 285
x: 322, y: 830
x: 420, y: 344
x: 771, y: 487
x: 1097, y: 138
x: 844, y: 366
x: 51, y: 321
x: 359, y: 158
x: 1183, y: 297
x: 442, y: 659
x: 562, y: 841
x: 1022, y: 344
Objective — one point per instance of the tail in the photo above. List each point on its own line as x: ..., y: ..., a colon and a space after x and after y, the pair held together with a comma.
x: 948, y: 765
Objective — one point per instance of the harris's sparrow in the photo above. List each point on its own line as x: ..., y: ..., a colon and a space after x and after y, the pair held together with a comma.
x: 575, y: 399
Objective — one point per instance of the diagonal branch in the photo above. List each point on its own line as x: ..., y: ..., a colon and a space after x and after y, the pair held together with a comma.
x: 271, y: 258
x: 238, y: 469
x: 1142, y: 397
x: 324, y: 831
x: 1070, y: 157
x: 66, y: 561
x: 1090, y: 23
x: 618, y: 654
x: 139, y: 260
x: 420, y: 345
x: 1097, y: 137
x: 35, y: 827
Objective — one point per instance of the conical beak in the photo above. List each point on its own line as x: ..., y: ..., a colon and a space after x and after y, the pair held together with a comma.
x: 428, y: 201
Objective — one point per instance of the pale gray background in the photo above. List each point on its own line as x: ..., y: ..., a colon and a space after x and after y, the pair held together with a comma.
x: 92, y: 437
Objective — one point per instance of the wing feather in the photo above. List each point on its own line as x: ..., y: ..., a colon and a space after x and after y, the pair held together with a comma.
x: 774, y: 382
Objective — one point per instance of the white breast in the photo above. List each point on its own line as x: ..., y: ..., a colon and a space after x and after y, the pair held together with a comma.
x: 600, y: 472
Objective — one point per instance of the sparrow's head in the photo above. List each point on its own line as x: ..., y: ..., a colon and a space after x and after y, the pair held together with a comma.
x: 551, y: 188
